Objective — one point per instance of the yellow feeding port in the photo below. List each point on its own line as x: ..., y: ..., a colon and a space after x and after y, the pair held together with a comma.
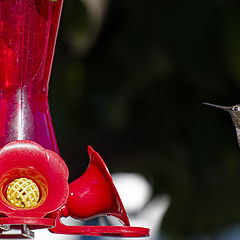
x: 23, y: 193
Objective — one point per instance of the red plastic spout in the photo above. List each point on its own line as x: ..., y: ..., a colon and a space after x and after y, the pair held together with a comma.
x: 28, y: 30
x: 94, y: 194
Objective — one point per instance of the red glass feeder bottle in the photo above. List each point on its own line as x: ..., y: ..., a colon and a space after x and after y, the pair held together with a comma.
x: 34, y: 189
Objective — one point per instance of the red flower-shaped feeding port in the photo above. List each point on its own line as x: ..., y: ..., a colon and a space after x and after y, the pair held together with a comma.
x: 93, y: 194
x: 28, y: 160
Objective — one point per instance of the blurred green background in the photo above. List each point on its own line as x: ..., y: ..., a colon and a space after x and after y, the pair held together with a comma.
x: 134, y: 91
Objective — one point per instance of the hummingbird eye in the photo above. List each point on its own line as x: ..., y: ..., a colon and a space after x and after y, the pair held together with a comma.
x: 236, y: 109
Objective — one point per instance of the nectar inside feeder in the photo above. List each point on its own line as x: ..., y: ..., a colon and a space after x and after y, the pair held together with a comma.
x: 31, y: 167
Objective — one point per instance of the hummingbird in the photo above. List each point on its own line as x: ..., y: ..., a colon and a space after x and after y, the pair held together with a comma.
x: 235, y: 115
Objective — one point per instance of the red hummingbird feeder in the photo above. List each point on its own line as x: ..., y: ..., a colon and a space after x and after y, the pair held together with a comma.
x: 34, y: 189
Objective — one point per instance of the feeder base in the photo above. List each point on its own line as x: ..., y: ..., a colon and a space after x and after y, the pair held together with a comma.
x: 31, y: 223
x: 114, y: 231
x: 15, y: 232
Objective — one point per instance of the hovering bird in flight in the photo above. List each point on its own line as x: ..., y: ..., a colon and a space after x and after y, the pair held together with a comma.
x: 235, y: 115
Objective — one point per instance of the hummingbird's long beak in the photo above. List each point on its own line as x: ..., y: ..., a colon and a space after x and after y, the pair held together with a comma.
x: 218, y: 106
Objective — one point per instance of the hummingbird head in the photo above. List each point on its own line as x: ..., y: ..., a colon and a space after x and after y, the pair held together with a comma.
x: 235, y: 114
x: 233, y: 110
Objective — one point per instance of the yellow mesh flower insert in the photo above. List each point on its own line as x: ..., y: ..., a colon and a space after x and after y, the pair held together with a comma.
x: 23, y: 193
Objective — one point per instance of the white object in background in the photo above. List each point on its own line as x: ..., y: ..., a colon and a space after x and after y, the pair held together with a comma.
x: 136, y: 192
x: 152, y: 215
